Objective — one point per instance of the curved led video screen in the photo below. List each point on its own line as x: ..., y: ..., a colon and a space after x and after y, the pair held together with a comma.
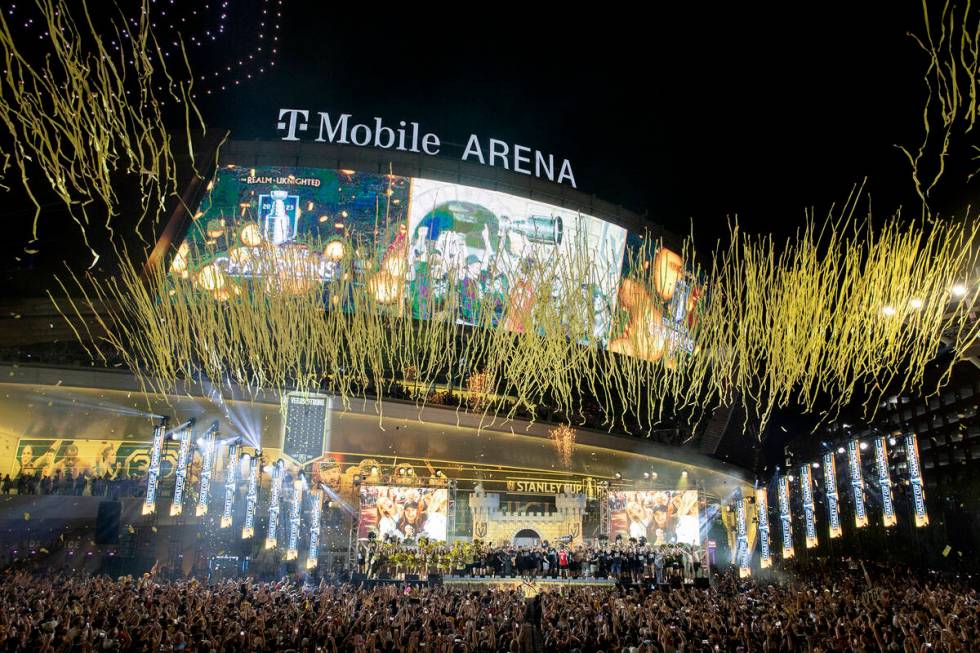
x: 445, y: 250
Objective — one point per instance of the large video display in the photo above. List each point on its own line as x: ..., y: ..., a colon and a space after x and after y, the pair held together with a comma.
x: 403, y: 512
x: 58, y: 457
x: 660, y: 516
x: 445, y: 250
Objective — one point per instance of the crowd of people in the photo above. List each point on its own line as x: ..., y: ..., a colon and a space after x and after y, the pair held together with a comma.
x: 80, y: 484
x: 835, y: 608
x: 619, y: 560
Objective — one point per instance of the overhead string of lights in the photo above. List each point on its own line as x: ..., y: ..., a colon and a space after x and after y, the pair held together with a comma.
x: 207, y: 35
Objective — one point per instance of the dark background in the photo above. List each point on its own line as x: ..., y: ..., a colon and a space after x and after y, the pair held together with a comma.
x: 690, y: 115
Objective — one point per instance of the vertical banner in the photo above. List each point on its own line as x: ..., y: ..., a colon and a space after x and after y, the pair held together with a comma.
x: 857, y: 483
x: 183, y: 457
x: 231, y: 484
x: 915, y: 479
x: 295, y: 511
x: 153, y: 472
x: 743, y: 557
x: 809, y: 518
x: 785, y: 518
x: 833, y: 501
x: 884, y: 482
x: 316, y: 508
x: 252, y: 496
x: 209, y: 447
x: 271, y: 535
x: 762, y: 509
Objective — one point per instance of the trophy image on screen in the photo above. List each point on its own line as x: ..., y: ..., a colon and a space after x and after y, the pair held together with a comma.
x: 278, y: 213
x: 538, y: 229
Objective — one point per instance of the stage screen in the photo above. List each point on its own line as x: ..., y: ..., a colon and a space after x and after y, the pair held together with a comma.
x: 444, y: 250
x: 661, y: 516
x: 403, y: 512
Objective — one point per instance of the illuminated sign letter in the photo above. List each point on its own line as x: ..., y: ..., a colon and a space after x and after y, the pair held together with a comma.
x: 292, y: 124
x: 332, y: 129
x: 566, y: 172
x: 473, y: 148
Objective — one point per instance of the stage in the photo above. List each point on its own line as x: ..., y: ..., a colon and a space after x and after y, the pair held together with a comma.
x: 528, y: 584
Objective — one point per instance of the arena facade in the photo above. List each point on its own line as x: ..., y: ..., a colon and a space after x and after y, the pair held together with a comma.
x: 502, y: 479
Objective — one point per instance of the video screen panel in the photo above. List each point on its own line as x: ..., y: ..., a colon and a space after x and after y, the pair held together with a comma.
x: 442, y: 247
x: 403, y: 512
x: 488, y: 240
x: 660, y: 516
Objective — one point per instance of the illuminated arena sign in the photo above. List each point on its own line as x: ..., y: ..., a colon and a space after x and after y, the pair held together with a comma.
x: 443, y: 250
x: 343, y: 129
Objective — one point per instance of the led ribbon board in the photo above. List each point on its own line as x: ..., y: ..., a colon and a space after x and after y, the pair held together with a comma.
x: 742, y: 554
x: 292, y: 550
x: 271, y: 538
x: 153, y: 473
x: 785, y: 518
x: 762, y: 509
x: 231, y: 484
x: 857, y: 483
x: 183, y: 457
x: 833, y: 501
x: 884, y: 482
x: 806, y: 491
x: 207, y: 465
x: 915, y: 479
x: 252, y: 496
x: 316, y: 509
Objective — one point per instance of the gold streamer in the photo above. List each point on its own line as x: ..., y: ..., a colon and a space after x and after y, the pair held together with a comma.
x: 87, y: 115
x: 828, y: 316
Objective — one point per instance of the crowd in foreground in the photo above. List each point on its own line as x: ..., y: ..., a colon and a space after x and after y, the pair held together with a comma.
x: 834, y: 608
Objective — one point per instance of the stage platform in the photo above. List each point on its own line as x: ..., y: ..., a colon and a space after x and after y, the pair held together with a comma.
x: 527, y: 584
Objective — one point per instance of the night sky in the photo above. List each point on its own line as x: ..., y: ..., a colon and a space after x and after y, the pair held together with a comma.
x: 692, y: 115
x: 689, y: 116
